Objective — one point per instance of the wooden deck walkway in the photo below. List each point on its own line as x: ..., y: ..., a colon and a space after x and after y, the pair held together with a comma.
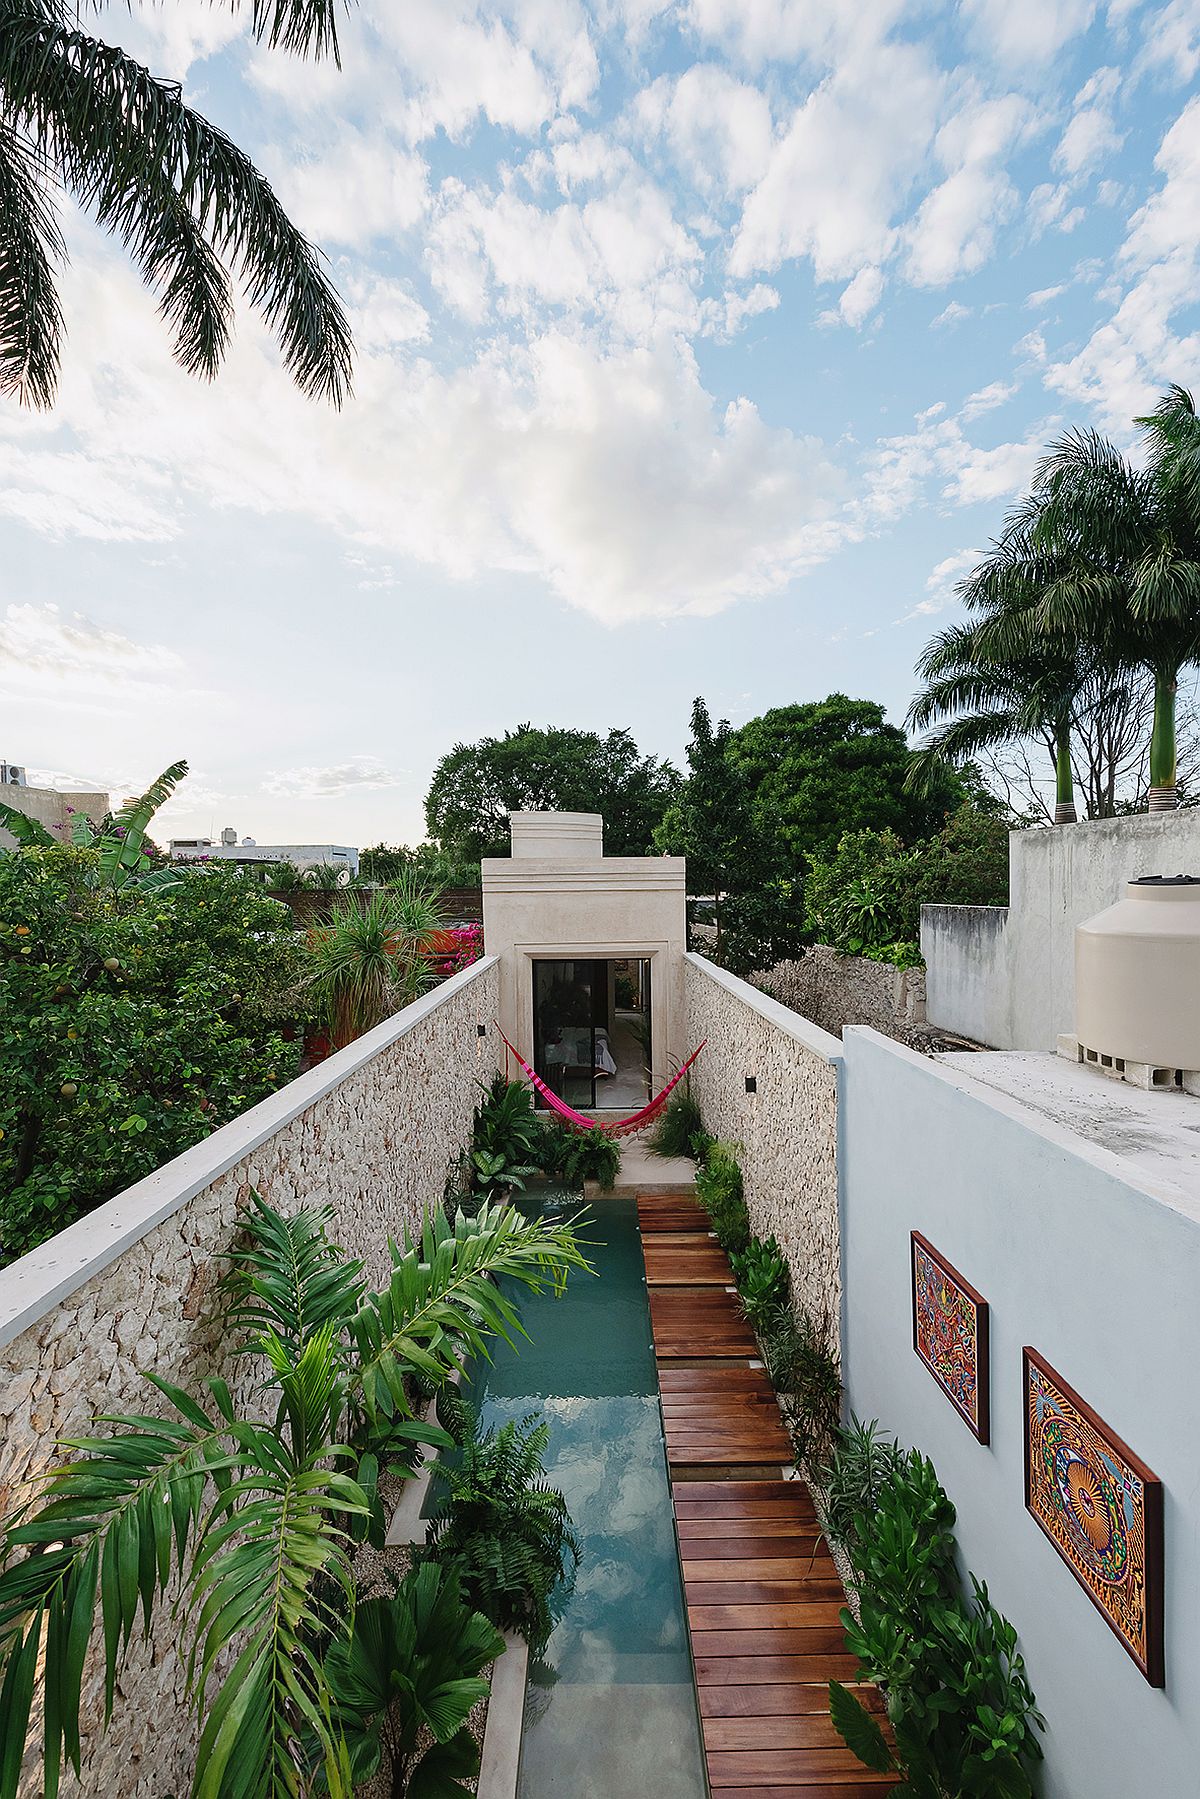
x: 763, y: 1596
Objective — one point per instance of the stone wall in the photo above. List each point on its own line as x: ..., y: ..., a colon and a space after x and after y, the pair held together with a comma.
x: 787, y: 1131
x: 835, y: 991
x: 370, y: 1132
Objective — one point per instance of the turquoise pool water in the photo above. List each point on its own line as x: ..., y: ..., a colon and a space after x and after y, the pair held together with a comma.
x: 615, y: 1715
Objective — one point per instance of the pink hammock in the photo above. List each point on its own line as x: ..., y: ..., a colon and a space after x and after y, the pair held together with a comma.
x: 576, y: 1121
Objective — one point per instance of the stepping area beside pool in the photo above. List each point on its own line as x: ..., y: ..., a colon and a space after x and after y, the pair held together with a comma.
x: 762, y: 1594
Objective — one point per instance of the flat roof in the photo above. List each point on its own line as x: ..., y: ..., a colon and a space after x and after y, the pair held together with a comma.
x: 1157, y: 1131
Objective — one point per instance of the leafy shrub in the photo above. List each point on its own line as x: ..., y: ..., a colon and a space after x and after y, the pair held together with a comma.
x: 678, y: 1123
x: 408, y: 1672
x: 719, y: 1189
x: 132, y: 1023
x: 505, y: 1531
x: 506, y: 1138
x: 959, y: 1702
x: 854, y: 1475
x: 762, y: 1277
x: 805, y: 1376
x: 572, y: 1156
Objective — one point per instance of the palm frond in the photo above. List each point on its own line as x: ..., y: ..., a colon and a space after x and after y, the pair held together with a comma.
x: 176, y: 189
x: 289, y: 1280
x: 30, y: 244
x: 121, y: 847
x: 443, y: 1301
x: 115, y: 1523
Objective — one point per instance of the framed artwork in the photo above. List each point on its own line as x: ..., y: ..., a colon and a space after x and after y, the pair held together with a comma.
x: 1100, y: 1507
x: 950, y: 1333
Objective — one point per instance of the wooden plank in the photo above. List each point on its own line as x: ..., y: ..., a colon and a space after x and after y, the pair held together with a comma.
x: 737, y: 1669
x: 792, y: 1568
x: 787, y: 1530
x: 708, y: 1593
x: 681, y: 1381
x: 867, y: 1786
x: 752, y: 1699
x: 719, y: 1507
x: 771, y: 1615
x: 778, y: 1767
x: 740, y: 1490
x: 724, y: 1643
x: 801, y: 1730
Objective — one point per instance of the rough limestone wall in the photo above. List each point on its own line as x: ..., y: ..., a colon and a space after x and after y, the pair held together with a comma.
x: 835, y: 991
x: 787, y: 1132
x: 376, y: 1148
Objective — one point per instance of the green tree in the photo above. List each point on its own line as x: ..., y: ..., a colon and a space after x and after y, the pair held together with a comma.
x: 80, y: 118
x: 477, y: 785
x: 829, y: 766
x: 710, y: 820
x: 132, y: 1023
x: 386, y: 862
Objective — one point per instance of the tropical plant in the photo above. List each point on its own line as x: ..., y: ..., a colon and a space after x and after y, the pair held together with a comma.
x: 255, y: 1516
x: 506, y: 1130
x: 121, y: 859
x: 325, y: 877
x: 283, y: 877
x: 572, y: 1156
x: 804, y: 1373
x: 79, y: 114
x: 506, y: 1532
x: 960, y: 1707
x: 132, y: 1024
x: 762, y: 1277
x: 369, y: 961
x: 720, y: 1191
x: 678, y: 1124
x: 408, y: 1671
x: 491, y: 1170
x: 852, y: 1478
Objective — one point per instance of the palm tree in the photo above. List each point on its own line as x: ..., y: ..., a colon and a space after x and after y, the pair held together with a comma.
x: 1128, y: 541
x: 79, y: 116
x: 370, y: 960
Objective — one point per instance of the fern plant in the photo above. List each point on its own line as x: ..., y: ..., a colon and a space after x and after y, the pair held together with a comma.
x: 253, y: 1514
x: 678, y: 1124
x: 505, y: 1531
x: 572, y: 1157
x: 403, y: 1682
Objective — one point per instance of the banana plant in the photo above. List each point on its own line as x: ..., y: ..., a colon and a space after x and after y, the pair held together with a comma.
x: 253, y: 1511
x: 122, y: 862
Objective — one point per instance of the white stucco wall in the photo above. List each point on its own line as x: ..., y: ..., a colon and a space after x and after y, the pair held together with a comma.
x: 586, y: 905
x: 787, y: 1133
x: 1013, y: 985
x: 1097, y: 1268
x: 133, y: 1288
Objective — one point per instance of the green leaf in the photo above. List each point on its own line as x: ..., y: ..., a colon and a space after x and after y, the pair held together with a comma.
x: 858, y: 1730
x: 27, y: 831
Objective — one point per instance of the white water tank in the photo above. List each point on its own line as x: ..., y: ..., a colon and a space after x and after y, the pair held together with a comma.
x: 1137, y: 975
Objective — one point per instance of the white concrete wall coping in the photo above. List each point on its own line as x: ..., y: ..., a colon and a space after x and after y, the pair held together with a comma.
x: 38, y: 1281
x: 1164, y: 1193
x: 820, y: 1043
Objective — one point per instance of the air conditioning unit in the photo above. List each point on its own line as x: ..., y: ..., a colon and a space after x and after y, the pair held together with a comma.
x: 11, y: 775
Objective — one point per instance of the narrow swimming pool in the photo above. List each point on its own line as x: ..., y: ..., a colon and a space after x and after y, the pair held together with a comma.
x: 612, y: 1714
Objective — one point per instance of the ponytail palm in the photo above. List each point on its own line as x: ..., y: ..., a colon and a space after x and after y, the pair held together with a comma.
x: 370, y: 960
x: 79, y: 115
x: 253, y: 1512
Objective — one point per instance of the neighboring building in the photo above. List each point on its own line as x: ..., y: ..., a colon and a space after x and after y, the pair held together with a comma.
x: 48, y: 805
x: 248, y: 852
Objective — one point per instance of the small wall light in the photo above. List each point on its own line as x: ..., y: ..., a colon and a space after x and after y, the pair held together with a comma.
x: 480, y: 1034
x: 751, y: 1083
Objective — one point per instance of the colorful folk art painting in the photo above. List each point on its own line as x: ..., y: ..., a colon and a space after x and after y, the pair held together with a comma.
x: 950, y: 1333
x: 1100, y: 1507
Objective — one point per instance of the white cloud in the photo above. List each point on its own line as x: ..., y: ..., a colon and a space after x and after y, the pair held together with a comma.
x: 360, y: 188
x: 954, y: 232
x: 609, y: 474
x: 1136, y: 351
x: 1091, y: 132
x: 859, y: 300
x: 952, y: 314
x: 763, y: 31
x: 42, y: 647
x: 725, y: 317
x: 355, y: 774
x: 937, y: 458
x: 1172, y: 39
x: 1029, y: 31
x: 1042, y: 296
x: 718, y: 129
x: 941, y: 583
x: 840, y: 173
x: 986, y: 399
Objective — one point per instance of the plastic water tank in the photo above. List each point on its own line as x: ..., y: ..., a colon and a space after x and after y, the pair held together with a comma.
x: 1137, y: 974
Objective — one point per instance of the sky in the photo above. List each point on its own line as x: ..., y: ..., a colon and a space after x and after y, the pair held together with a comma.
x: 700, y: 348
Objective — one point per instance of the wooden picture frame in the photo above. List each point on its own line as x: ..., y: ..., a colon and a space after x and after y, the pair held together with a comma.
x: 951, y: 1334
x: 1100, y: 1506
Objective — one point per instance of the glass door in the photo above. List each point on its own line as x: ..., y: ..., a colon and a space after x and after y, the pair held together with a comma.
x: 568, y: 997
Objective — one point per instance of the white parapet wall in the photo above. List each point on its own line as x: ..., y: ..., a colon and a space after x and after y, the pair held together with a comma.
x: 1006, y: 977
x: 133, y: 1288
x: 787, y: 1130
x: 1095, y: 1263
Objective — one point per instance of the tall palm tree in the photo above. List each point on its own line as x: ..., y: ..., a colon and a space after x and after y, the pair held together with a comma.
x: 1128, y: 542
x: 80, y: 117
